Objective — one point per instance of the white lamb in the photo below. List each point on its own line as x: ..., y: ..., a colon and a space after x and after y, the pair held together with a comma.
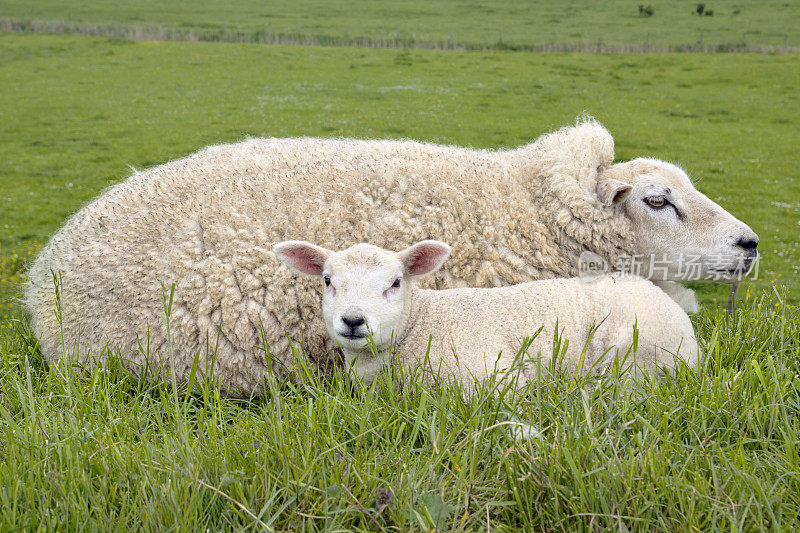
x: 371, y: 292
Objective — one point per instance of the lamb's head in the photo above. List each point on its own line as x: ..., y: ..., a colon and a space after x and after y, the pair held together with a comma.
x: 366, y: 289
x: 687, y: 235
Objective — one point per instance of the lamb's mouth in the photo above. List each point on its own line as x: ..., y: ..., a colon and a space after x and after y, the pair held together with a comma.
x: 352, y: 336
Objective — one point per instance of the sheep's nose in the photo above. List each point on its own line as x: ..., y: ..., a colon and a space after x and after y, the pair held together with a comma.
x: 748, y: 243
x: 353, y: 321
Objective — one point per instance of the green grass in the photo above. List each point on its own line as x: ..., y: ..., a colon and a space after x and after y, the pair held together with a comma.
x: 708, y: 449
x: 78, y: 112
x: 715, y: 448
x: 515, y: 22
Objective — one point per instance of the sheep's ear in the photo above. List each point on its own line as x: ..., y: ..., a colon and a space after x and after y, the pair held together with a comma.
x: 424, y: 257
x: 611, y: 191
x: 302, y: 256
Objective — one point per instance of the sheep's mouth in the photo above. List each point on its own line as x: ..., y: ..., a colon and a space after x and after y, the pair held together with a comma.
x: 741, y: 269
x: 735, y: 272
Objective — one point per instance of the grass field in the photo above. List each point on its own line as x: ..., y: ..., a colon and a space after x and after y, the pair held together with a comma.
x: 710, y: 449
x: 704, y: 450
x: 78, y: 113
x: 448, y: 22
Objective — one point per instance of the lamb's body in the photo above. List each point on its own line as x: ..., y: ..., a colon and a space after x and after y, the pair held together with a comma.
x: 371, y: 302
x: 479, y: 324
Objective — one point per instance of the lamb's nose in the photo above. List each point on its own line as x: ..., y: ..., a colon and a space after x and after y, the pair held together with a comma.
x: 748, y: 244
x: 353, y: 321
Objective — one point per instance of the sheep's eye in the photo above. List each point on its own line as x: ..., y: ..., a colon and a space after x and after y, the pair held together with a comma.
x: 656, y: 201
x: 327, y: 280
x: 396, y: 283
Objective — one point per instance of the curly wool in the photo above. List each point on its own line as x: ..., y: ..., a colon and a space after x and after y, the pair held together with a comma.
x: 206, y: 223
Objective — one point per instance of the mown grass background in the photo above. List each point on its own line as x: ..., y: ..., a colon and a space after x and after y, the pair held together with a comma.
x: 448, y: 22
x: 713, y: 448
x: 77, y: 113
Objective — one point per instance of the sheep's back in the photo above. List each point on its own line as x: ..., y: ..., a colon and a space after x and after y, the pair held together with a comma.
x: 206, y: 224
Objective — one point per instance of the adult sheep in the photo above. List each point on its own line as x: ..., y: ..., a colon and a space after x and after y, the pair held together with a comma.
x: 206, y: 224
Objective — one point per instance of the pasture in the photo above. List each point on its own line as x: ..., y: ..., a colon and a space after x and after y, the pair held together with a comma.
x: 578, y: 24
x: 79, y: 113
x: 712, y: 448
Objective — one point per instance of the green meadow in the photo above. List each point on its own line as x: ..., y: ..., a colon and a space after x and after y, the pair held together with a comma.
x: 448, y: 22
x: 78, y: 113
x: 709, y: 449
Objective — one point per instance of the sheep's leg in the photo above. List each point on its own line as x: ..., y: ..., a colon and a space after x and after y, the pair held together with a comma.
x: 682, y: 296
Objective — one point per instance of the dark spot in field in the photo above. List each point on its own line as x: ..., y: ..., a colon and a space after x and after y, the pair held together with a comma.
x: 781, y: 121
x: 204, y: 25
x: 396, y: 131
x: 679, y: 114
x: 684, y: 86
x: 403, y: 58
x: 571, y: 70
x: 118, y: 42
x: 383, y: 499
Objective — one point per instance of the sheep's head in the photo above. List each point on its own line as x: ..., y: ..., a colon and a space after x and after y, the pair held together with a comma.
x: 366, y: 289
x: 684, y: 233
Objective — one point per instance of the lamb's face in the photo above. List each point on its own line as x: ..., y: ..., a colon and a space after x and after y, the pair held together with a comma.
x: 366, y: 289
x: 364, y: 295
x: 680, y: 233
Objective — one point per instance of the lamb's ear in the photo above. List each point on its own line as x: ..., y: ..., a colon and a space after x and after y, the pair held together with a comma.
x: 424, y: 257
x: 302, y: 256
x: 611, y: 191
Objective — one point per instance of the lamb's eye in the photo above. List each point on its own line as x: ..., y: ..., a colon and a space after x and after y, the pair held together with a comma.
x: 327, y: 280
x: 396, y: 283
x: 656, y: 201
